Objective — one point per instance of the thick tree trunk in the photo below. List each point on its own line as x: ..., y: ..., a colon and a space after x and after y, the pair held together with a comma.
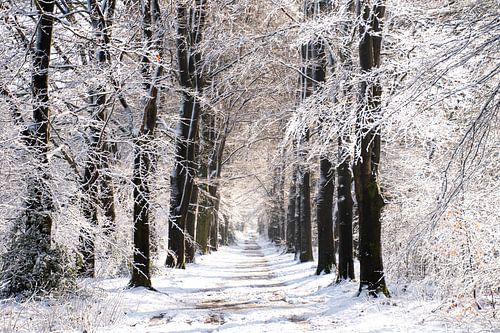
x: 368, y: 195
x: 324, y: 202
x: 190, y: 22
x: 143, y: 166
x: 344, y: 217
x: 182, y: 181
x: 345, y: 203
x: 214, y: 173
x: 141, y: 275
x: 39, y: 203
x: 326, y: 250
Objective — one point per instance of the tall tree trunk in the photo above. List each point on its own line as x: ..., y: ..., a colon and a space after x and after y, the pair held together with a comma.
x: 190, y: 22
x: 30, y: 265
x: 344, y: 191
x: 307, y: 86
x: 344, y: 215
x: 324, y: 202
x: 368, y: 195
x: 298, y: 223
x: 143, y: 157
x: 306, y: 253
x: 290, y: 220
x: 39, y: 203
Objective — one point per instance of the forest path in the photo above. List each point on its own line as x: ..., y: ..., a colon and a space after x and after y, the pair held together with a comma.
x: 243, y: 291
x: 245, y: 287
x: 251, y: 287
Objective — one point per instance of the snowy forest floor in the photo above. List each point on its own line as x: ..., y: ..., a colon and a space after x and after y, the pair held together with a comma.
x: 247, y: 287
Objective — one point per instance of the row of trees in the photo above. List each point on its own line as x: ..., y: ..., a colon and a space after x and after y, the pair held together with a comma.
x: 136, y: 128
x: 320, y: 61
x: 193, y: 148
x: 341, y: 103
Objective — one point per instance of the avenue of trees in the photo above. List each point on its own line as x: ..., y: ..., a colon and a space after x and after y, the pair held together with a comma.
x: 139, y: 133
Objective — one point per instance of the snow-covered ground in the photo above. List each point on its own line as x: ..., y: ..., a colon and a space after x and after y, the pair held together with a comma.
x: 246, y: 287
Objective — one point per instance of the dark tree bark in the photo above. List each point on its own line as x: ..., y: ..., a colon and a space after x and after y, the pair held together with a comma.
x: 276, y: 223
x: 280, y: 197
x: 39, y: 203
x: 313, y: 71
x: 203, y: 219
x: 368, y: 195
x: 214, y: 173
x: 306, y: 253
x: 143, y: 157
x: 298, y: 224
x: 30, y: 264
x: 344, y: 216
x: 324, y: 202
x: 290, y: 219
x: 190, y: 22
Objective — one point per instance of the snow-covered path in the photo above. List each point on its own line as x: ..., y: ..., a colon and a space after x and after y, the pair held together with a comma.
x: 237, y: 289
x: 250, y: 287
x: 246, y: 287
